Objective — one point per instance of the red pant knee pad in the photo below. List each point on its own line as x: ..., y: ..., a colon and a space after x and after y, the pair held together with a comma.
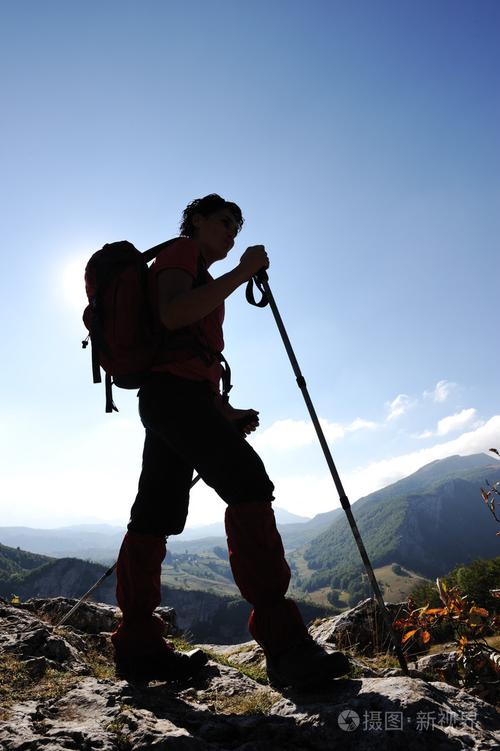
x: 138, y: 575
x: 262, y: 574
x: 256, y: 552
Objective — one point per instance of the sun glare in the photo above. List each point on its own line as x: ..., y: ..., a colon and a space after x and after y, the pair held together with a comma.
x: 72, y: 282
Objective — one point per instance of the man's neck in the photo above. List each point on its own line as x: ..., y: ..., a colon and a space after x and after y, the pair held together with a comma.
x: 207, y: 255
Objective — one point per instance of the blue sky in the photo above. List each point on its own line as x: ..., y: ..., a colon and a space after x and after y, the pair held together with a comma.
x: 361, y: 140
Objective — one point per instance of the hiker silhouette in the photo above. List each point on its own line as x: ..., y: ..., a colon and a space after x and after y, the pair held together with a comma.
x: 190, y: 426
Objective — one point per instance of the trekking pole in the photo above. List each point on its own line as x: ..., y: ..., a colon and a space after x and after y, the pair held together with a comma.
x: 99, y: 582
x: 261, y: 280
x: 87, y: 594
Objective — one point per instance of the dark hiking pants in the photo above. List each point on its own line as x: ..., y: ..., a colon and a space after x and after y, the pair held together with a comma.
x: 186, y: 432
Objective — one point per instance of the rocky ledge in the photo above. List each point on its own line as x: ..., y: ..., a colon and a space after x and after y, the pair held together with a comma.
x: 59, y: 692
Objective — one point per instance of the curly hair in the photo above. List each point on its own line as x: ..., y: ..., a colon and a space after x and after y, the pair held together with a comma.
x: 206, y: 206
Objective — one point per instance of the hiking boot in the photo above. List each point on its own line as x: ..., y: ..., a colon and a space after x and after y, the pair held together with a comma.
x: 306, y: 666
x: 167, y: 665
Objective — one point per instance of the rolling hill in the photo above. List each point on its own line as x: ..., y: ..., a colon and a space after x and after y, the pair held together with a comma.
x: 428, y: 523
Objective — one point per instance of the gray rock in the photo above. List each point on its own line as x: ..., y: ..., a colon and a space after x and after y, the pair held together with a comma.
x: 441, y: 666
x: 444, y: 666
x: 223, y: 710
x: 170, y: 617
x: 362, y: 670
x: 36, y: 640
x: 361, y: 628
x: 248, y: 654
x: 396, y: 713
x: 90, y: 617
x: 36, y: 666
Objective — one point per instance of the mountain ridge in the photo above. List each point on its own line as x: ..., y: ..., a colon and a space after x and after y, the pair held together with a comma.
x: 428, y: 522
x: 415, y: 522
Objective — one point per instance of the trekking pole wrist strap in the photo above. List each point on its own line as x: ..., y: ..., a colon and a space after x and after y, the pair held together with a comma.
x: 257, y: 279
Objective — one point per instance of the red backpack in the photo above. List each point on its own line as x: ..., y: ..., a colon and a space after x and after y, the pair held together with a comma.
x: 122, y: 328
x: 125, y: 334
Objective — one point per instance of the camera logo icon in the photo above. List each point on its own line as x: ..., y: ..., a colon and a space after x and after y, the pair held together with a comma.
x: 348, y: 720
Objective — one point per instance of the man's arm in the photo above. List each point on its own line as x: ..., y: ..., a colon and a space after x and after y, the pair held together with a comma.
x: 180, y: 305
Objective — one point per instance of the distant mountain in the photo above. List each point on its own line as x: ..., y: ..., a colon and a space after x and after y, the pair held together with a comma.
x: 328, y: 553
x: 283, y: 517
x: 31, y: 575
x: 93, y: 542
x: 205, y: 614
x: 14, y: 561
x: 428, y: 522
x: 294, y: 535
x: 101, y: 542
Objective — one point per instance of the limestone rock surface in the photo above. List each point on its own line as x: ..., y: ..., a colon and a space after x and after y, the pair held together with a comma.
x: 228, y: 707
x: 90, y: 617
x: 361, y: 628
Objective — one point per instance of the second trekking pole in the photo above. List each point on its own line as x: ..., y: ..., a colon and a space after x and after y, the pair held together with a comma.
x: 261, y: 280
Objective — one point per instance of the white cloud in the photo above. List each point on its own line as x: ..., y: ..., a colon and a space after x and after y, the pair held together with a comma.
x: 292, y: 434
x: 425, y: 434
x: 288, y: 434
x: 377, y: 475
x: 451, y: 423
x: 441, y: 391
x: 94, y: 476
x: 455, y: 422
x: 316, y: 492
x: 360, y: 424
x: 399, y: 406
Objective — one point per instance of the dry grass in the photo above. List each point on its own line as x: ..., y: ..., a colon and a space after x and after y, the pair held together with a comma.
x: 256, y: 703
x: 118, y: 727
x: 101, y: 666
x: 181, y: 642
x: 379, y: 662
x: 397, y: 588
x: 255, y: 672
x: 17, y: 684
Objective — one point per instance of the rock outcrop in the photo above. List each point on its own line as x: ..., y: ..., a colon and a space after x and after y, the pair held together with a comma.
x: 90, y: 617
x: 361, y: 628
x: 229, y: 706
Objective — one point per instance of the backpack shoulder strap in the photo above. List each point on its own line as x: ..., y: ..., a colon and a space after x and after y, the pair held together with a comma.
x: 201, y: 272
x: 201, y: 278
x: 148, y: 255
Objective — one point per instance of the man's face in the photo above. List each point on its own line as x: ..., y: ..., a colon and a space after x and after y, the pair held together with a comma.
x: 216, y: 232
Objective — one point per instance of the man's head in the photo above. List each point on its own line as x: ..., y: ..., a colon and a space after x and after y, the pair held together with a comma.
x: 214, y: 222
